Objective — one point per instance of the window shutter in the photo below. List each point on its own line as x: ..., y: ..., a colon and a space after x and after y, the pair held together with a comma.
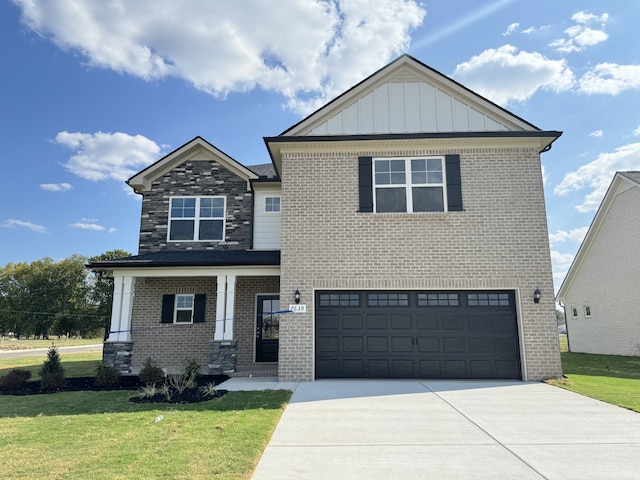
x: 199, y: 301
x: 365, y: 181
x: 168, y: 302
x: 454, y: 183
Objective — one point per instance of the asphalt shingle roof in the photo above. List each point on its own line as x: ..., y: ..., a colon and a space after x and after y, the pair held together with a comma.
x: 193, y: 258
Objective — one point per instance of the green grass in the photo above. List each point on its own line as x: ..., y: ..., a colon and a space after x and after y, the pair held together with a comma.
x: 101, y: 435
x: 611, y: 378
x: 74, y: 364
x: 22, y: 344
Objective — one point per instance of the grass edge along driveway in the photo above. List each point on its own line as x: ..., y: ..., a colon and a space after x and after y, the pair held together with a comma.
x: 98, y: 435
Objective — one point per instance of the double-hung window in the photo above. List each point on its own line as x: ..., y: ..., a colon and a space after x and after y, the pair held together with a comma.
x: 272, y: 204
x: 410, y: 185
x: 184, y: 309
x: 197, y: 219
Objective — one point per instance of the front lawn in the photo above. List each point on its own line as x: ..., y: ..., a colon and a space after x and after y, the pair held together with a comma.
x: 74, y: 364
x: 98, y: 435
x: 611, y: 378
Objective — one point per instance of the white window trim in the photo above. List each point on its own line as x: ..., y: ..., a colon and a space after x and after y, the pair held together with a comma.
x: 272, y: 212
x: 587, y: 311
x: 574, y: 310
x: 408, y: 183
x: 176, y: 309
x: 196, y: 219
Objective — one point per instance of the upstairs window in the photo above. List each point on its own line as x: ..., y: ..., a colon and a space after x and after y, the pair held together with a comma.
x: 272, y: 204
x: 193, y: 219
x: 410, y: 185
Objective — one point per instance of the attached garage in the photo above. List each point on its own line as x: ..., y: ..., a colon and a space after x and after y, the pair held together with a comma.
x: 416, y: 334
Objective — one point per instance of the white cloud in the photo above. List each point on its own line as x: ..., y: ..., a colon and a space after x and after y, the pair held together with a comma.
x: 636, y: 132
x: 581, y: 35
x: 510, y: 29
x: 610, y: 78
x: 596, y: 133
x: 56, y: 187
x: 108, y: 156
x: 505, y: 75
x: 598, y: 175
x: 87, y: 226
x: 307, y: 50
x: 20, y: 223
x: 575, y: 235
x: 561, y: 261
x: 113, y: 230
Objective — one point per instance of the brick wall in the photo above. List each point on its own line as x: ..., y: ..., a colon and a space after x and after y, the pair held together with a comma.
x: 169, y: 344
x: 196, y: 178
x: 608, y: 282
x: 500, y: 241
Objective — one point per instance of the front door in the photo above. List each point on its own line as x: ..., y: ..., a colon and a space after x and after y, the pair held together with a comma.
x: 267, y: 328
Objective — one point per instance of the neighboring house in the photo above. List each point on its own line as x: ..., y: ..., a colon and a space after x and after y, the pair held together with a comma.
x: 406, y: 217
x: 600, y: 292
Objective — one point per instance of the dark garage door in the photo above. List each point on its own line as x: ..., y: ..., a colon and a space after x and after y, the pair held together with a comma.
x: 416, y: 334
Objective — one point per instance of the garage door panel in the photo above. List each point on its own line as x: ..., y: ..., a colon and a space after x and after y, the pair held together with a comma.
x: 327, y: 321
x: 401, y: 322
x: 427, y: 322
x: 352, y: 322
x: 452, y: 322
x: 353, y: 344
x: 401, y: 344
x: 326, y: 345
x: 378, y: 368
x: 453, y: 344
x: 429, y: 344
x: 377, y: 322
x: 377, y: 344
x: 417, y: 335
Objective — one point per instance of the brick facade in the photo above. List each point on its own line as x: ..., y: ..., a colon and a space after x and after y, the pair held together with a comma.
x: 499, y: 241
x: 196, y: 178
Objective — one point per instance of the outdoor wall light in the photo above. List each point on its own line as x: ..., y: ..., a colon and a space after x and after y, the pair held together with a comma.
x: 296, y: 296
x: 536, y: 296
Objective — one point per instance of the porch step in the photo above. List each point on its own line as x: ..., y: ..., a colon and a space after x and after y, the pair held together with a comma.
x: 268, y: 370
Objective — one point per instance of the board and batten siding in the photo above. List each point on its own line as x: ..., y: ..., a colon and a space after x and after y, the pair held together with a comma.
x: 266, y: 225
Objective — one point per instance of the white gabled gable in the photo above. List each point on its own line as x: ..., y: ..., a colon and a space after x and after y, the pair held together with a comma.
x: 622, y: 182
x: 196, y: 149
x: 404, y: 97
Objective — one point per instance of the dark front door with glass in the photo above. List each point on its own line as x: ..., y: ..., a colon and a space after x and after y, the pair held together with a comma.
x: 267, y: 328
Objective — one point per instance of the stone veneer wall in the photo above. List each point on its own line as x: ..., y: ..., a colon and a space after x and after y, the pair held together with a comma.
x: 117, y: 355
x: 499, y: 241
x: 169, y: 345
x: 196, y: 178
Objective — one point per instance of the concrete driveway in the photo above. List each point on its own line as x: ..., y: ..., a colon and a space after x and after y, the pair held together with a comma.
x: 447, y: 430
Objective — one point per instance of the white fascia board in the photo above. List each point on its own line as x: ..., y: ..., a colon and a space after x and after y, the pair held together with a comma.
x: 249, y: 271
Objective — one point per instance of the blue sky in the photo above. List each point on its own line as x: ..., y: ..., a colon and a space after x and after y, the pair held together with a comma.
x: 92, y: 92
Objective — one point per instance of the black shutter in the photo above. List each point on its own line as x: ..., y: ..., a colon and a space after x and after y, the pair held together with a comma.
x: 199, y: 301
x: 365, y: 181
x: 454, y: 183
x: 168, y: 302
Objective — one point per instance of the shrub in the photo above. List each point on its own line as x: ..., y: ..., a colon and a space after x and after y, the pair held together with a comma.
x: 52, y: 382
x: 107, y: 376
x: 14, y: 380
x: 208, y: 390
x: 52, y: 363
x: 191, y: 372
x: 151, y: 374
x: 149, y: 391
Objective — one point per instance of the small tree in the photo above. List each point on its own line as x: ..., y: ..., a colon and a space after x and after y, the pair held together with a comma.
x: 52, y: 364
x: 52, y: 372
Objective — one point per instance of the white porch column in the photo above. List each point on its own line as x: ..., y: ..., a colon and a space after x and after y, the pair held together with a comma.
x: 221, y: 302
x: 123, y: 290
x: 231, y: 300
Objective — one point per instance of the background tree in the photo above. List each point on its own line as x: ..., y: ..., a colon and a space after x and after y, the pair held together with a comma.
x: 101, y: 291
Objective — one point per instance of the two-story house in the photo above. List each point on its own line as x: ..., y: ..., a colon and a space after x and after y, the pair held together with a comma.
x: 400, y: 232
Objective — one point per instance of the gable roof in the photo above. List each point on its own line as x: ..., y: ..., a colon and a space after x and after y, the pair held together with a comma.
x: 407, y: 96
x: 198, y: 149
x: 621, y: 181
x: 407, y: 101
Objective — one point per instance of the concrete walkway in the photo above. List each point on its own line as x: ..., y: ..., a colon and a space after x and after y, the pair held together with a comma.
x: 446, y: 430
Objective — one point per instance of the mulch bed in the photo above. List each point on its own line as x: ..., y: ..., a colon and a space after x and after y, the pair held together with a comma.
x: 128, y: 382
